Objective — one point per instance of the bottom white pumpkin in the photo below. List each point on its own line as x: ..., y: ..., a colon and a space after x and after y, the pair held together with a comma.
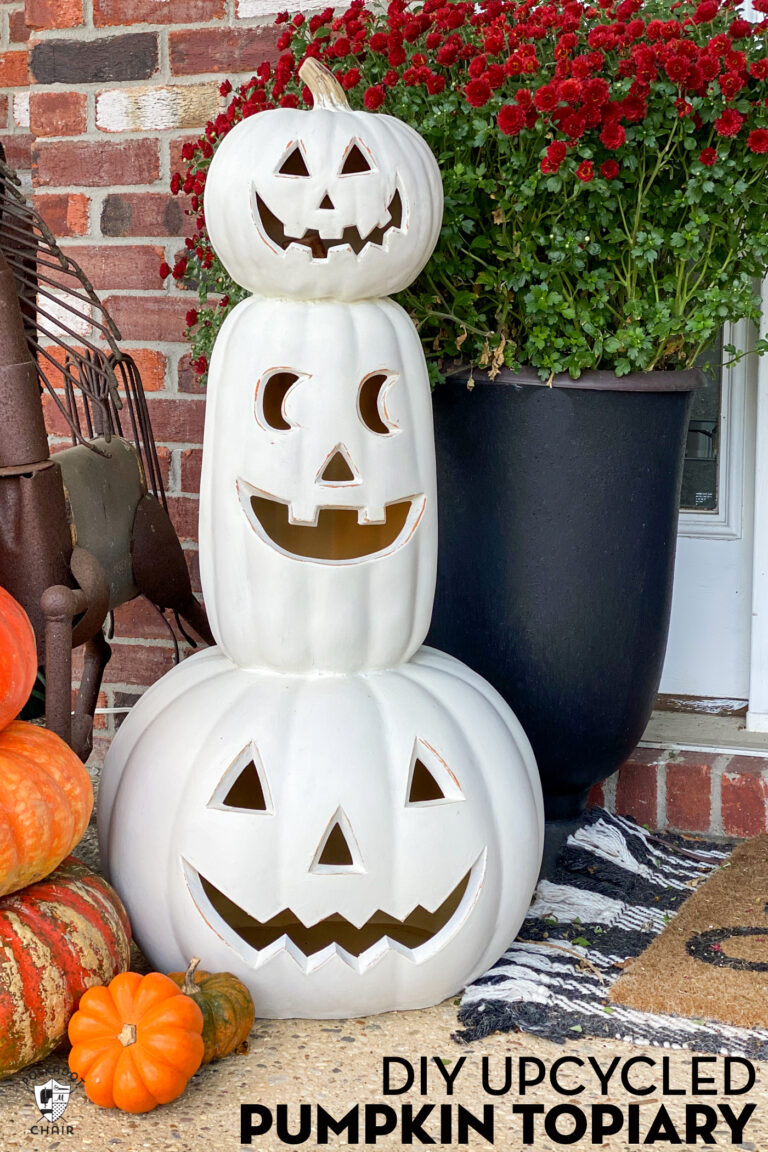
x: 344, y: 844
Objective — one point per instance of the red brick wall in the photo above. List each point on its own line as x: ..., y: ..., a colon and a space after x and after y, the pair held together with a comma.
x: 96, y: 99
x: 14, y: 91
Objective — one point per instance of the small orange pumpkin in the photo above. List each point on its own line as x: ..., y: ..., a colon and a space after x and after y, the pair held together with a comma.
x: 136, y: 1042
x: 47, y: 801
x: 226, y: 1004
x: 18, y: 658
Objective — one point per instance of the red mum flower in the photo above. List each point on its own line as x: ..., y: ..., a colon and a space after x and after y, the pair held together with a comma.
x: 708, y: 157
x: 739, y: 29
x: 570, y: 91
x: 200, y: 365
x: 449, y: 53
x: 546, y: 98
x: 574, y: 124
x: 759, y: 68
x: 494, y: 41
x: 477, y: 66
x: 609, y: 169
x: 731, y: 85
x: 390, y: 78
x: 225, y: 88
x: 585, y: 171
x: 435, y: 84
x: 351, y: 78
x: 705, y: 12
x: 557, y: 151
x: 548, y: 167
x: 180, y: 268
x: 757, y: 141
x: 164, y: 270
x: 613, y: 135
x: 379, y: 42
x: 191, y: 317
x: 478, y: 93
x: 596, y: 91
x: 729, y: 124
x: 677, y: 68
x: 510, y: 119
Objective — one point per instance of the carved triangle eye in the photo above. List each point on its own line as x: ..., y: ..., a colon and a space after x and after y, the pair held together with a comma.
x: 244, y: 785
x: 354, y: 162
x: 247, y: 791
x: 424, y: 787
x: 430, y: 780
x: 294, y: 164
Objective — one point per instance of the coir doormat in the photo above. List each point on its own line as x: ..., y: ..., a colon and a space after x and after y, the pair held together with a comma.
x: 712, y: 959
x: 615, y: 889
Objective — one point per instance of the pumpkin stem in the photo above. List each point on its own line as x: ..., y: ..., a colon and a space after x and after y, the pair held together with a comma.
x: 128, y: 1035
x: 190, y: 987
x: 325, y: 88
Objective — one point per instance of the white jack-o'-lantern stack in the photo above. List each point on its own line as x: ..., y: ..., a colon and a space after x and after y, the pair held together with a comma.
x: 348, y: 822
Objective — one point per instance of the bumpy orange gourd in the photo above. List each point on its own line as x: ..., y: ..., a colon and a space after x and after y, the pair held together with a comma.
x: 47, y: 797
x: 226, y: 1004
x: 136, y: 1042
x: 18, y: 658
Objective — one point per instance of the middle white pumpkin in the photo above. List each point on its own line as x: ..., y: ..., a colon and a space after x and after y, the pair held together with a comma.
x: 318, y: 517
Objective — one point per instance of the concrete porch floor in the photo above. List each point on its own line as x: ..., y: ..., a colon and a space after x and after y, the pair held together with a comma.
x: 337, y: 1064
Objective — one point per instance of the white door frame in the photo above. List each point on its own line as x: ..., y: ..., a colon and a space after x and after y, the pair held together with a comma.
x: 757, y: 714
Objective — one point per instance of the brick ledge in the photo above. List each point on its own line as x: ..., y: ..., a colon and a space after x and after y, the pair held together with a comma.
x: 710, y: 792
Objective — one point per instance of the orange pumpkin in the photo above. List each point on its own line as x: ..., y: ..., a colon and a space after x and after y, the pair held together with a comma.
x: 136, y: 1042
x: 47, y: 797
x: 18, y: 658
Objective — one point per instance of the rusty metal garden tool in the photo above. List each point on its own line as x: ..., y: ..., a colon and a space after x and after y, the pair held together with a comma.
x: 87, y: 529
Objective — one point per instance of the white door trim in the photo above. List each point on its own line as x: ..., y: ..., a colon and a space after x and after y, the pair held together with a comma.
x: 757, y: 713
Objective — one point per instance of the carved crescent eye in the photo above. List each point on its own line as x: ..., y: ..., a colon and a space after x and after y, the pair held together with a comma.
x: 270, y: 398
x: 371, y: 403
x: 294, y: 164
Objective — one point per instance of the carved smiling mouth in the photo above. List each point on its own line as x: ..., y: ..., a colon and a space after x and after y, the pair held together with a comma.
x: 379, y: 932
x: 338, y: 536
x: 320, y: 246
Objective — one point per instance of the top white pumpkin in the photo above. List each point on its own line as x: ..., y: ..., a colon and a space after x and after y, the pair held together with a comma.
x: 325, y: 204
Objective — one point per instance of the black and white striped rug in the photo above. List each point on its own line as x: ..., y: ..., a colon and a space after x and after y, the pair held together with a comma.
x: 614, y: 888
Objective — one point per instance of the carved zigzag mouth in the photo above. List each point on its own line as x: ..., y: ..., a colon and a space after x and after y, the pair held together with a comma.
x: 319, y: 245
x: 338, y: 536
x: 311, y: 945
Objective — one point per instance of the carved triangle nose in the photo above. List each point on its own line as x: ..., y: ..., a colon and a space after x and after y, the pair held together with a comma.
x: 337, y: 850
x: 337, y: 470
x: 326, y: 202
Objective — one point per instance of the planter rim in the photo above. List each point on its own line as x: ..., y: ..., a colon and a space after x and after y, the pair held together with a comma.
x: 595, y: 380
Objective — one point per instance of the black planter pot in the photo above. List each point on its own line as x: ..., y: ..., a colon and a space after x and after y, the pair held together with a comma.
x: 558, y: 525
